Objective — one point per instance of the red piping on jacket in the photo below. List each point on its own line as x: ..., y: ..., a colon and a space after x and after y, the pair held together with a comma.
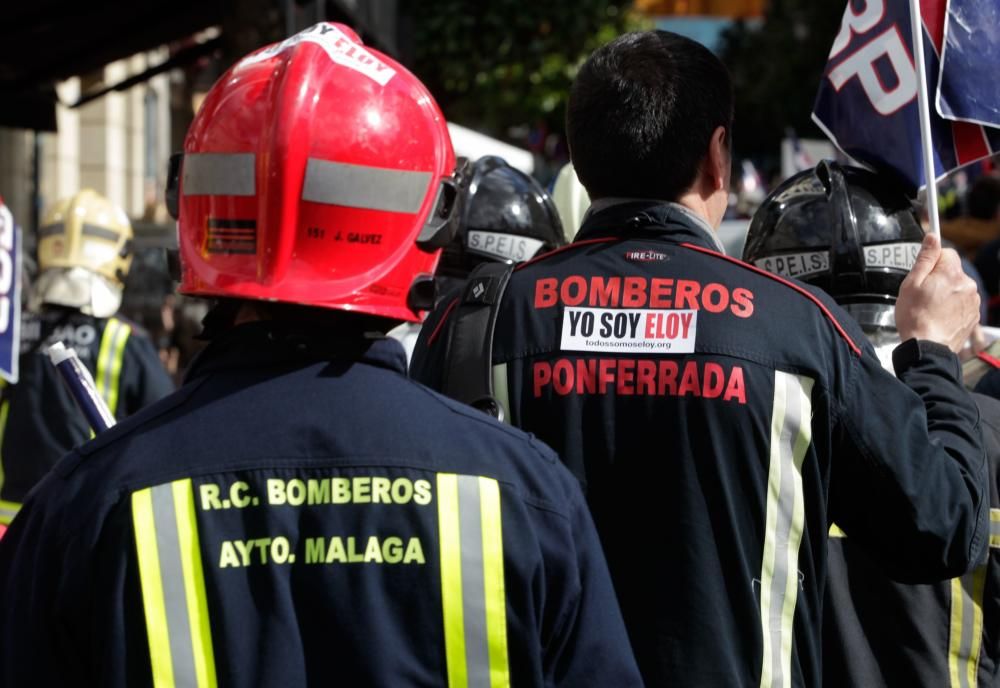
x: 777, y: 278
x: 585, y: 242
x: 990, y: 360
x: 441, y: 322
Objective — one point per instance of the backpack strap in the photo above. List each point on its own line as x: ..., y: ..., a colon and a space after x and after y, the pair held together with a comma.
x: 468, y: 375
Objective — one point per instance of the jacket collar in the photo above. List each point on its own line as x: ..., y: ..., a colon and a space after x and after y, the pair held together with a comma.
x: 260, y: 344
x: 635, y: 218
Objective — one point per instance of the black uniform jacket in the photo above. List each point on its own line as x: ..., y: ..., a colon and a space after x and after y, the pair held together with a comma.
x: 300, y: 513
x: 722, y: 418
x: 877, y: 632
x: 39, y: 421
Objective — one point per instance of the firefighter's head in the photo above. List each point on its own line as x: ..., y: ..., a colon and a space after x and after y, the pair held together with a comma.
x: 650, y: 116
x: 508, y: 216
x: 846, y: 230
x: 84, y: 255
x: 317, y: 172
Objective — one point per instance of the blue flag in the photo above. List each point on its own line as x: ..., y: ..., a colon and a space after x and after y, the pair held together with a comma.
x: 867, y: 100
x: 969, y: 89
x: 10, y: 294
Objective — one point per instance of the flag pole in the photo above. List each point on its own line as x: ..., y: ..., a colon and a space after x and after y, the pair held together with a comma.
x: 926, y: 142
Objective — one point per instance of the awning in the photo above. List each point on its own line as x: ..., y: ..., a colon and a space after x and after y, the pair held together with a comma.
x: 46, y: 41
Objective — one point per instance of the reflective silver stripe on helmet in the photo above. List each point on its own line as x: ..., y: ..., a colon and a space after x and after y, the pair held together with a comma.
x: 100, y: 232
x: 360, y: 186
x: 218, y: 174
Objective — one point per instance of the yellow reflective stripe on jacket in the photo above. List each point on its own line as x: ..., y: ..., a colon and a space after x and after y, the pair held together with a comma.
x: 473, y: 600
x: 109, y: 361
x: 994, y: 527
x: 791, y: 435
x: 7, y: 509
x: 496, y: 598
x: 173, y: 586
x: 836, y: 532
x: 966, y: 629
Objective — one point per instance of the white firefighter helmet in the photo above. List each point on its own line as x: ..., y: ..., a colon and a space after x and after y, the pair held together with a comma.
x: 84, y: 254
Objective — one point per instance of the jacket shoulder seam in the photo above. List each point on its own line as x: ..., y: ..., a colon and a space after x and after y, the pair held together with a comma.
x: 791, y: 285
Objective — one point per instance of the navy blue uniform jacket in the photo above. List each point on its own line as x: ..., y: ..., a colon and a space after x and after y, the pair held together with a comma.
x: 722, y: 418
x: 300, y: 513
x: 39, y: 421
x: 878, y: 633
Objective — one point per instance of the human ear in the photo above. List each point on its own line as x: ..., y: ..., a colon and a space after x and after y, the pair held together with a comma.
x: 718, y: 167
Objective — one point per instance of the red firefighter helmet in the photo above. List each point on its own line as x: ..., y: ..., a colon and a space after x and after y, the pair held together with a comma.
x: 316, y: 172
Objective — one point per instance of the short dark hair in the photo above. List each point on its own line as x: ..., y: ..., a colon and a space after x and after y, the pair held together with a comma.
x: 984, y: 197
x: 641, y: 115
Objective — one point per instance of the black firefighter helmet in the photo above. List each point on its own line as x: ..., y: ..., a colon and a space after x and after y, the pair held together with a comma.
x: 508, y: 216
x: 846, y: 230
